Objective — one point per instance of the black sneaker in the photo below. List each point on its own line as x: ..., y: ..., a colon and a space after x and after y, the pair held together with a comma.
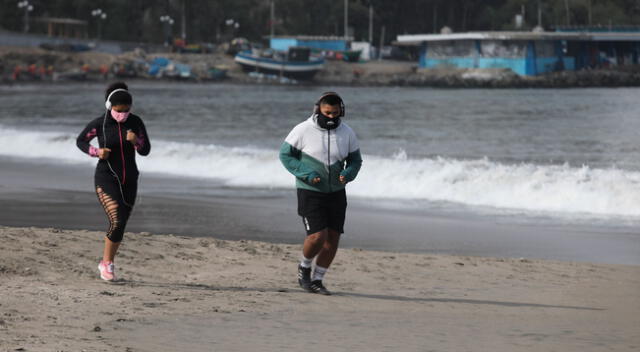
x: 316, y: 286
x: 304, y: 277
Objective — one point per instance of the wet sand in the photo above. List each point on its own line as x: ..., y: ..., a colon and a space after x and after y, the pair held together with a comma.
x: 60, y: 196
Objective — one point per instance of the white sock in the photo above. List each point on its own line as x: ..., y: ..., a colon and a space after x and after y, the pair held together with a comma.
x: 318, y: 273
x: 305, y: 262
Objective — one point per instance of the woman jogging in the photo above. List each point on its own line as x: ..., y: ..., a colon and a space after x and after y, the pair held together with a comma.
x: 120, y: 135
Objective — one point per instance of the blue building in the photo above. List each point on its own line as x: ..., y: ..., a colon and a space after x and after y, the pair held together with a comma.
x: 526, y: 53
x: 314, y: 42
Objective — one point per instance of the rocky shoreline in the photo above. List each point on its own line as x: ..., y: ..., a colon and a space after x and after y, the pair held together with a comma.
x: 507, y: 79
x: 19, y: 65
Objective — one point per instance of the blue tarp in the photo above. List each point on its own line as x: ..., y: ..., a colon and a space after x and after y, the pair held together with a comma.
x: 158, y: 64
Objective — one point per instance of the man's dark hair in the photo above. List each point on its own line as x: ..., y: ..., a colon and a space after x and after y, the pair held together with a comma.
x: 330, y: 100
x: 114, y: 86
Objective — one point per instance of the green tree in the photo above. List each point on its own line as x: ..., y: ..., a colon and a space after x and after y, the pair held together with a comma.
x: 138, y: 20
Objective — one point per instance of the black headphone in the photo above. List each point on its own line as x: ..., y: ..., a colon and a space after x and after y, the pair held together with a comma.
x: 316, y: 109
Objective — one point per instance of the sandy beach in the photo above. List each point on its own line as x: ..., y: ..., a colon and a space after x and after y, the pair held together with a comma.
x: 203, y: 294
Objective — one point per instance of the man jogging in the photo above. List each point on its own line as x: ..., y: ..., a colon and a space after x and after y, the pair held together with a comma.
x: 323, y: 154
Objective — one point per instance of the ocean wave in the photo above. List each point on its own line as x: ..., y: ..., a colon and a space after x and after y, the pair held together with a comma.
x: 557, y: 189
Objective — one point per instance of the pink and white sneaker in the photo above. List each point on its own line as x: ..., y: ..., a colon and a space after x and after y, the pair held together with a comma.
x: 107, y: 271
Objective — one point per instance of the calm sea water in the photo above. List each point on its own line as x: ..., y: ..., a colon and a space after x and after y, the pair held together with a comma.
x: 560, y: 152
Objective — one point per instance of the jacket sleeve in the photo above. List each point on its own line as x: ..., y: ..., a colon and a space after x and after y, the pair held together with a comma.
x: 353, y: 161
x: 290, y: 158
x: 352, y: 167
x: 143, y: 144
x: 85, y: 137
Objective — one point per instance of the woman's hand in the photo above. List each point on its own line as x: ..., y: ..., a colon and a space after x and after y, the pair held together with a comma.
x: 315, y: 180
x: 103, y: 153
x: 343, y: 179
x: 131, y: 137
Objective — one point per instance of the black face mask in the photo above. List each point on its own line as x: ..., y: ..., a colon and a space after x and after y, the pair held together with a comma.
x: 328, y: 123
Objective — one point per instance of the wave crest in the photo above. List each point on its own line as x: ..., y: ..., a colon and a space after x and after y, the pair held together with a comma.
x: 559, y: 189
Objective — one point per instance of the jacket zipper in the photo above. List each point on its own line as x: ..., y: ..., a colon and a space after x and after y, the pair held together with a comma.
x: 329, y: 157
x: 124, y: 169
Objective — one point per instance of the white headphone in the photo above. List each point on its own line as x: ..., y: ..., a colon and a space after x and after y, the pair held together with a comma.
x: 107, y: 104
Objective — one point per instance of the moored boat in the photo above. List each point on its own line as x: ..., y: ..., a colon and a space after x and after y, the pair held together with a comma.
x: 296, y: 63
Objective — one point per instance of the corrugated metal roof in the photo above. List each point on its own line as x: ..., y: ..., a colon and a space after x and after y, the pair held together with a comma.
x: 416, y: 39
x: 61, y: 20
x: 613, y: 36
x: 311, y: 37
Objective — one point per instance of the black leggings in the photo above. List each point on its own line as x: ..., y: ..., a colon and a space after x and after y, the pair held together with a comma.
x: 118, y: 209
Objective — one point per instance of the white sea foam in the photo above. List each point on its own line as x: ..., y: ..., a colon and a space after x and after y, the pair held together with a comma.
x: 560, y: 189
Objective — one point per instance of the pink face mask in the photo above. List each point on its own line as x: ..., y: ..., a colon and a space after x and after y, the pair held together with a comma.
x: 120, y: 116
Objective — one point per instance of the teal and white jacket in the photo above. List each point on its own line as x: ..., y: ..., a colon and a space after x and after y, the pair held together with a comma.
x: 310, y: 151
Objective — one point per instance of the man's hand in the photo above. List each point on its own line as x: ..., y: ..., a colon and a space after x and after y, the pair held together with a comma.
x: 343, y: 179
x: 315, y: 180
x: 103, y: 153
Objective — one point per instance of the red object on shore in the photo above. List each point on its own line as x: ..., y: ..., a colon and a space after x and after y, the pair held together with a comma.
x: 16, y: 73
x: 179, y: 43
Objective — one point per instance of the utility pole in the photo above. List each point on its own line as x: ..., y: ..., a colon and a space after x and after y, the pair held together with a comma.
x: 566, y: 5
x: 539, y: 15
x: 184, y: 21
x: 346, y: 20
x: 100, y: 16
x: 273, y: 19
x: 167, y: 22
x: 28, y: 7
x: 381, y: 43
x: 370, y: 24
x: 435, y: 17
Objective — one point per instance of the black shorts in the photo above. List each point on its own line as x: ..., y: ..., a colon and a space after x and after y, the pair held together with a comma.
x: 322, y: 210
x: 111, y: 186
